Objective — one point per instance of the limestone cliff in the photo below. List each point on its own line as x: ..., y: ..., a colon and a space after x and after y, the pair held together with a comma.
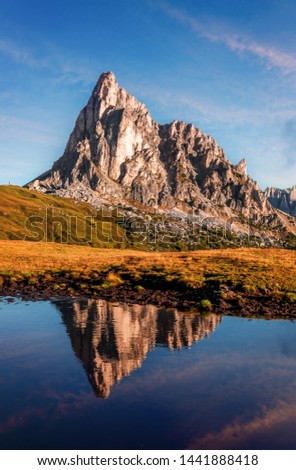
x: 283, y: 199
x: 118, y: 154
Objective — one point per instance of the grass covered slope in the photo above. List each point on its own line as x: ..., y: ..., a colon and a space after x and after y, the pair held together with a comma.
x: 33, y: 216
x: 244, y: 279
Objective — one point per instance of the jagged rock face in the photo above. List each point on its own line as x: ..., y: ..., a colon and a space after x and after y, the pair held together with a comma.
x: 112, y: 340
x: 117, y: 153
x: 113, y: 149
x: 283, y: 199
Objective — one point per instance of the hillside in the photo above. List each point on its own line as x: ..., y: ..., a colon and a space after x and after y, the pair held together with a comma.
x: 28, y: 215
x: 34, y: 216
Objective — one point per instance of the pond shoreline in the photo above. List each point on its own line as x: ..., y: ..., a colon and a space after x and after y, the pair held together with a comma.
x: 242, y: 281
x: 184, y: 300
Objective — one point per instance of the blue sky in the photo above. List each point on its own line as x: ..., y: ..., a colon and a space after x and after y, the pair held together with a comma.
x: 227, y: 66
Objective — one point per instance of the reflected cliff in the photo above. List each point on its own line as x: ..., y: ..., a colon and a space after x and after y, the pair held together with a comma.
x: 112, y: 339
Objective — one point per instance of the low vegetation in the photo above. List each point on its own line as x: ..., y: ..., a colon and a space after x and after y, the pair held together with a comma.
x: 32, y: 216
x: 209, y: 279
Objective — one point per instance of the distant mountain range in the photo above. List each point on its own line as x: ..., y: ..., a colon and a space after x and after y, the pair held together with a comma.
x: 118, y: 155
x: 282, y: 199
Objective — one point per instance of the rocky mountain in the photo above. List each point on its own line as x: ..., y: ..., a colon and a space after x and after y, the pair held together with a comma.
x: 117, y: 154
x: 282, y: 199
x: 112, y: 339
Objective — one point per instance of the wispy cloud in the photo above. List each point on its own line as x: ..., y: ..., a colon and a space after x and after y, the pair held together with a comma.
x: 64, y: 69
x: 74, y: 70
x: 271, y: 56
x: 194, y: 106
x: 19, y: 54
x: 29, y: 131
x: 272, y: 425
x: 289, y: 135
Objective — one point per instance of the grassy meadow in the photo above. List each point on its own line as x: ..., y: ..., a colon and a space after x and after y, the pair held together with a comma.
x: 227, y: 274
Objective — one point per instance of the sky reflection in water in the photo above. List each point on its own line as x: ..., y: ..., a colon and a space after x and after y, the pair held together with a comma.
x: 91, y: 374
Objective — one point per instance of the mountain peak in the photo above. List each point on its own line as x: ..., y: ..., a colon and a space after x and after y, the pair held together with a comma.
x: 106, y: 89
x: 118, y: 154
x: 106, y: 79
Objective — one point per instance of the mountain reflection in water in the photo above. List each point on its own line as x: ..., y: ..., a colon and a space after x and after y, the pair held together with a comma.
x: 112, y: 340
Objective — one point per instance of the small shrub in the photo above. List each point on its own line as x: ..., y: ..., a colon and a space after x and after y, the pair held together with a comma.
x: 249, y: 289
x: 290, y: 297
x: 139, y: 288
x: 205, y: 304
x: 32, y: 281
x: 112, y: 280
x: 47, y: 278
x: 240, y: 300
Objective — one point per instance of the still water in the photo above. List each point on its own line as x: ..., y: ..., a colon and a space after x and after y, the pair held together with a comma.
x: 90, y: 374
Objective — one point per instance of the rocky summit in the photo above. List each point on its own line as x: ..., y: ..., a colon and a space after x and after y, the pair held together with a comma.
x: 283, y: 199
x: 118, y: 155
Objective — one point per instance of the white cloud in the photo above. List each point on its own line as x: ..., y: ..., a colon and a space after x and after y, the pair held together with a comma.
x: 271, y: 56
x: 63, y: 68
x: 19, y: 54
x: 28, y: 131
x: 196, y: 107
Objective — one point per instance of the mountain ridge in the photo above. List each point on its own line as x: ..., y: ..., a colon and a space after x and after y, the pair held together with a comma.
x: 282, y: 199
x: 117, y: 154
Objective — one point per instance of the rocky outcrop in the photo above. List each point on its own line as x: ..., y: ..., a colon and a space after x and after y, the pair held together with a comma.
x: 113, y: 339
x: 283, y: 199
x: 118, y: 154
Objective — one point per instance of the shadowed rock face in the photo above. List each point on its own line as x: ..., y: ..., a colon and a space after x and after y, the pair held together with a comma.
x: 283, y: 199
x: 118, y: 153
x: 112, y: 340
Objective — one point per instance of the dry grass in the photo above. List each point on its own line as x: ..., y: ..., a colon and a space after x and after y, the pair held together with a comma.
x: 269, y: 271
x: 22, y: 211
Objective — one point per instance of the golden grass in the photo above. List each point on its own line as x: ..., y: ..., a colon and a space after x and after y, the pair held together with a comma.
x: 249, y: 270
x: 19, y: 207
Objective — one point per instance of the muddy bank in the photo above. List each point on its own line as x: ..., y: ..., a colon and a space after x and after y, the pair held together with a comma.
x: 217, y: 299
